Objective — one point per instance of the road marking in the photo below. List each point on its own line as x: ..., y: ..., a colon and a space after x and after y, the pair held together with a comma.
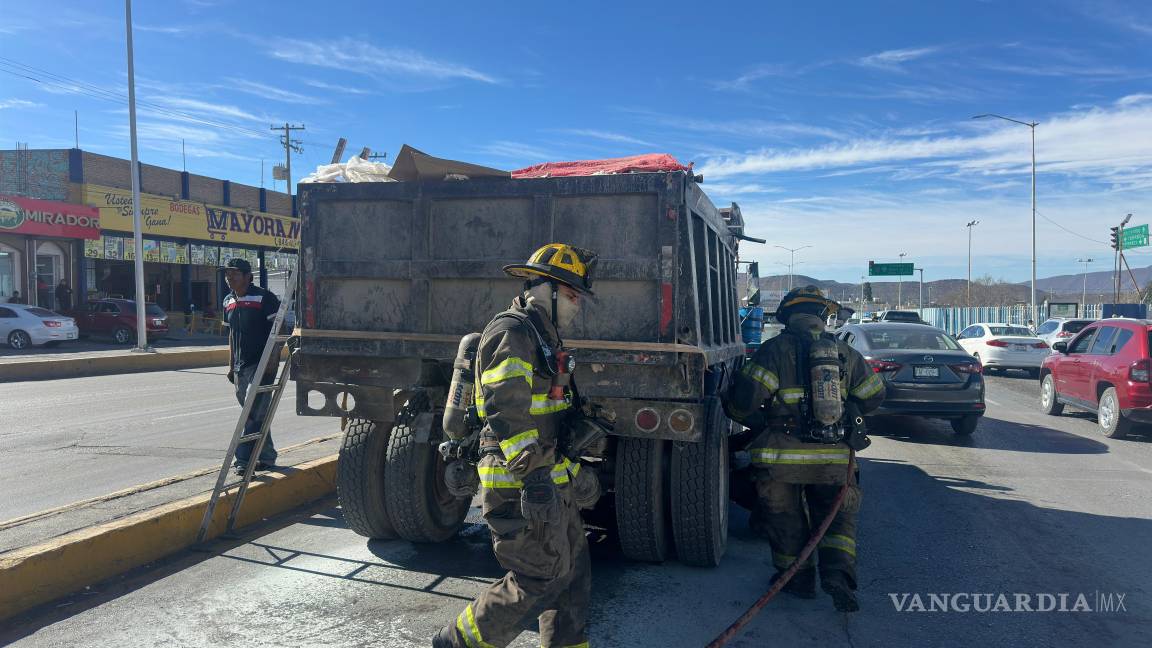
x: 218, y: 409
x: 989, y: 400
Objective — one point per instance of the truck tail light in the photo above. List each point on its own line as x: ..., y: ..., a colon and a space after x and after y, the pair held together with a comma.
x: 1139, y: 371
x: 647, y: 419
x: 997, y: 343
x: 879, y: 366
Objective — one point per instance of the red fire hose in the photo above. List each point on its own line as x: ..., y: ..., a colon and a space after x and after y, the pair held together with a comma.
x: 745, y: 618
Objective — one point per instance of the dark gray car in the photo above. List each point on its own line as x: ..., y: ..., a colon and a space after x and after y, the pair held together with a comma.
x: 926, y: 373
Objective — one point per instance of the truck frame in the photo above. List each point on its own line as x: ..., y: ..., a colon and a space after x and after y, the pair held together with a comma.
x: 392, y: 275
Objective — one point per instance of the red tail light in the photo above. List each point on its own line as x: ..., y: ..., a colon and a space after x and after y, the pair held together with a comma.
x: 1139, y: 371
x: 1040, y: 345
x: 883, y: 365
x: 997, y: 343
x: 52, y: 324
x: 1064, y: 334
x: 967, y: 369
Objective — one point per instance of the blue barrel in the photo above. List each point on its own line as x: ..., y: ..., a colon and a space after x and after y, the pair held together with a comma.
x: 752, y: 327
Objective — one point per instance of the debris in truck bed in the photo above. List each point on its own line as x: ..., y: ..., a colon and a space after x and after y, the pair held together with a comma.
x: 412, y: 165
x: 647, y: 163
x: 356, y: 169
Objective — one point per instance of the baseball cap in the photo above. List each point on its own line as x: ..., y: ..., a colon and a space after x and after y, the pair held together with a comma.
x: 239, y: 264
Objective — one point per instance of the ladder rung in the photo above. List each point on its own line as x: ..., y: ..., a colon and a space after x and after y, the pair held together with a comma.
x: 232, y: 484
x: 249, y: 437
x: 260, y: 389
x: 283, y: 338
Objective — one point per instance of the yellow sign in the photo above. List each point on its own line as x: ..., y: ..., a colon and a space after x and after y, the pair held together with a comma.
x: 162, y: 216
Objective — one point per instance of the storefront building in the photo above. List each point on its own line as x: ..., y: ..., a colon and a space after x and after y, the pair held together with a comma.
x: 191, y: 224
x: 41, y: 247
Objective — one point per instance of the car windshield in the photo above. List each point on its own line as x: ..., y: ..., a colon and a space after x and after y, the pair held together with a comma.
x: 1010, y: 330
x: 40, y: 312
x: 902, y: 317
x: 899, y: 339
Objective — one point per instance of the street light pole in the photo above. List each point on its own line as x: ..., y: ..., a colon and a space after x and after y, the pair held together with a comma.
x: 900, y: 285
x: 138, y: 239
x: 921, y: 271
x: 1084, y: 291
x: 861, y: 295
x: 970, y: 225
x: 1031, y: 125
x: 793, y: 251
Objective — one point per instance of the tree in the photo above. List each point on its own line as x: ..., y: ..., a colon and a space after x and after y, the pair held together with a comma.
x: 867, y: 291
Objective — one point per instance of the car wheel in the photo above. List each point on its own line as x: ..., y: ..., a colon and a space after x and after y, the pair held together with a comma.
x: 1112, y: 422
x: 122, y: 335
x: 1048, y: 403
x: 19, y: 340
x: 965, y: 425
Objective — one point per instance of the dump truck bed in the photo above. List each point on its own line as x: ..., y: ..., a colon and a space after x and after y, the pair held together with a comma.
x: 393, y: 274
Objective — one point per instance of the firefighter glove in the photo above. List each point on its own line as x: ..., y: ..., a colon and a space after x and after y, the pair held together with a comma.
x: 538, y: 501
x: 586, y: 488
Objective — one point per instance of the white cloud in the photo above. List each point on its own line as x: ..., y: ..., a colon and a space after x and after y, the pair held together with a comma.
x: 324, y: 85
x: 892, y: 59
x: 18, y: 103
x: 1133, y: 99
x: 208, y: 109
x: 604, y: 135
x: 762, y: 71
x: 357, y: 56
x: 518, y: 152
x: 265, y: 91
x: 158, y: 29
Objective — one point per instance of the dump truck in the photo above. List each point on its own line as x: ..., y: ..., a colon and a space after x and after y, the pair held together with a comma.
x: 392, y: 275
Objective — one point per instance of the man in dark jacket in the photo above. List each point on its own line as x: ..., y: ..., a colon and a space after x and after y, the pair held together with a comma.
x: 249, y: 312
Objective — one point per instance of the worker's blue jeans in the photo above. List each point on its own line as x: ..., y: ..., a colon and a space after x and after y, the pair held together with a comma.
x: 244, y: 378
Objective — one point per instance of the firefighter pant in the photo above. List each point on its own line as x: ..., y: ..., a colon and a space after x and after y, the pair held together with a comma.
x: 549, y: 576
x: 787, y: 514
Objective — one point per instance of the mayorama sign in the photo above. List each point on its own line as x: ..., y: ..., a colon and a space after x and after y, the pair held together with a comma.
x: 19, y: 215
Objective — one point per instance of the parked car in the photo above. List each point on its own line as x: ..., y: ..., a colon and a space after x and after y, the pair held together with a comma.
x: 22, y: 326
x: 1055, y: 329
x: 899, y: 316
x: 116, y: 319
x: 926, y: 373
x: 1003, y: 346
x: 1105, y: 369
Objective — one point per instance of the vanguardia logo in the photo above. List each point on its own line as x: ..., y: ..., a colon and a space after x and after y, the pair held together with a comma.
x: 966, y: 602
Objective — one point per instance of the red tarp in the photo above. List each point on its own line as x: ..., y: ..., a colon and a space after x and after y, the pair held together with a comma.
x: 648, y: 163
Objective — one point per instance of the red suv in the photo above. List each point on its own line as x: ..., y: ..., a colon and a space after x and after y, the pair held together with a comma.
x: 116, y: 318
x: 1104, y: 369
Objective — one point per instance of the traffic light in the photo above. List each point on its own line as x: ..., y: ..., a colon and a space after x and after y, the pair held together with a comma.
x: 1115, y: 237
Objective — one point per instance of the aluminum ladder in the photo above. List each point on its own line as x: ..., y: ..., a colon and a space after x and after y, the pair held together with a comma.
x: 276, y: 389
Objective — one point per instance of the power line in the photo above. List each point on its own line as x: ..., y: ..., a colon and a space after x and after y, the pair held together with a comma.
x: 1086, y: 238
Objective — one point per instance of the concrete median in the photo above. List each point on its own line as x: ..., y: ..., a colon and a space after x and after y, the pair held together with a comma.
x: 19, y: 369
x: 37, y: 574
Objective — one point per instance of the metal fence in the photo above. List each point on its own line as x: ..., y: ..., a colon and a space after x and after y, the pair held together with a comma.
x: 957, y: 319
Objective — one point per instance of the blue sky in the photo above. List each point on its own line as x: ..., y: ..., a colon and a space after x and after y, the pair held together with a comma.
x: 842, y: 125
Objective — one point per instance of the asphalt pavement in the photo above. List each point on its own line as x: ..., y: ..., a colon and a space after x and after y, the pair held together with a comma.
x: 72, y: 439
x: 1031, y: 506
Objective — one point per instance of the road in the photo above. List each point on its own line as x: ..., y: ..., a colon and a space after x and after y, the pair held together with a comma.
x: 68, y: 440
x: 1030, y: 504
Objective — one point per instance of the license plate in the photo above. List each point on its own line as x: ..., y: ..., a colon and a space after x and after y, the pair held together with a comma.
x: 926, y: 372
x: 1020, y: 347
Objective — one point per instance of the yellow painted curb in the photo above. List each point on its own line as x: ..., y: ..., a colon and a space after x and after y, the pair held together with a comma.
x: 38, y: 574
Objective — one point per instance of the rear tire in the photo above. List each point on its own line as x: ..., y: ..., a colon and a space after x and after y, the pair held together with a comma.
x: 1112, y: 422
x: 699, y: 485
x: 641, y: 520
x: 19, y: 340
x: 418, y: 501
x: 360, y: 479
x: 1049, y: 403
x: 123, y: 335
x: 965, y: 425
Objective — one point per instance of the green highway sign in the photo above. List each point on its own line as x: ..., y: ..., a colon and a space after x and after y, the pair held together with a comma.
x: 1134, y: 237
x: 905, y: 269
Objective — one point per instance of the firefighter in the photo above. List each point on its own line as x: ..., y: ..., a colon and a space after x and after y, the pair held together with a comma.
x: 799, y: 451
x: 530, y: 490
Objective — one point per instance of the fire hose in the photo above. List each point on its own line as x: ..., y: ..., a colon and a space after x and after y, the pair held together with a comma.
x: 817, y: 536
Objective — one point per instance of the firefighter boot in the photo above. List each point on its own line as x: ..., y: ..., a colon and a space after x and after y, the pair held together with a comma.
x: 443, y: 638
x: 842, y: 596
x: 801, y: 585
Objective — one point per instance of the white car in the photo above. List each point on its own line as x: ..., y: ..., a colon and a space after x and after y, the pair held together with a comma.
x: 22, y: 326
x: 1061, y: 329
x: 1003, y: 346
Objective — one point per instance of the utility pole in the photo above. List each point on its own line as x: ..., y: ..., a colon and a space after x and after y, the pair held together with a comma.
x: 861, y: 295
x: 793, y: 251
x: 1084, y: 290
x: 138, y: 238
x: 970, y: 225
x: 290, y: 146
x: 900, y: 284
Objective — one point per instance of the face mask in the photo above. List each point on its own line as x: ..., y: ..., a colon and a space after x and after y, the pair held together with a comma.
x: 566, y: 311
